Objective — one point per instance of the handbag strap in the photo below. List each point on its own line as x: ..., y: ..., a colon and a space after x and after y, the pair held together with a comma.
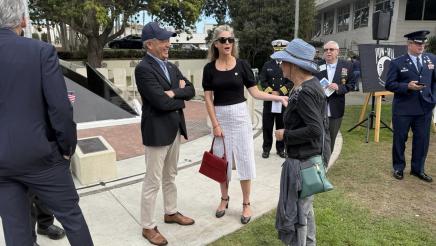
x: 224, y: 144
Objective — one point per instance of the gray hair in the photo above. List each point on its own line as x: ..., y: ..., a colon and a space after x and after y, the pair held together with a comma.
x: 213, y: 51
x: 11, y: 13
x: 332, y: 42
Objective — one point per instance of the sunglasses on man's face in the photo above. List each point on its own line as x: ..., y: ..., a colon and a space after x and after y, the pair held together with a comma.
x: 329, y: 49
x: 223, y: 40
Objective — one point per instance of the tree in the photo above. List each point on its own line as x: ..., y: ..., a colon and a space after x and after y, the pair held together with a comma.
x: 258, y: 22
x: 216, y: 8
x: 95, y: 19
x: 431, y: 45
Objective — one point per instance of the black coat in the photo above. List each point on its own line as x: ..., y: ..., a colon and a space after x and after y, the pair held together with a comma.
x: 345, y: 79
x: 36, y: 118
x: 305, y: 122
x: 162, y: 116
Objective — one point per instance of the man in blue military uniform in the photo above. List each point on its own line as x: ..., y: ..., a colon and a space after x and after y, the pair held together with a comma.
x: 272, y: 81
x: 412, y: 78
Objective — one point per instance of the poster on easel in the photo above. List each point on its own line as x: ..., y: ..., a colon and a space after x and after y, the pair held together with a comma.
x: 375, y: 60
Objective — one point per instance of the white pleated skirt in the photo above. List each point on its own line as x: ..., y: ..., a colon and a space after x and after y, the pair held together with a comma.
x: 238, y: 136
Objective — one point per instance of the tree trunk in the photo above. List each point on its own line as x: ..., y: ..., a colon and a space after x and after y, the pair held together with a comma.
x: 48, y: 33
x: 95, y: 51
x: 64, y: 37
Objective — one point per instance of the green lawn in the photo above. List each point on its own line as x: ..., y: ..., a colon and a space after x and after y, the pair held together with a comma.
x: 367, y: 207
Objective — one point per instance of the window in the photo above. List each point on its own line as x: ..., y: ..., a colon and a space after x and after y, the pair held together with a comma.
x: 382, y: 5
x: 343, y: 18
x: 421, y: 10
x: 361, y: 12
x: 329, y: 19
x: 430, y: 10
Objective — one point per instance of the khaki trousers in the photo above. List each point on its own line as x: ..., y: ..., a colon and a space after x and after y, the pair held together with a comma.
x: 161, y: 163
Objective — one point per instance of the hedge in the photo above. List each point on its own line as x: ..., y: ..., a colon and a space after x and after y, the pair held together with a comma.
x: 136, y: 54
x: 431, y: 45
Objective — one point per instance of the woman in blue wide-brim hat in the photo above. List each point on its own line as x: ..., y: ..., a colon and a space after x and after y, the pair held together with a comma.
x: 304, y: 137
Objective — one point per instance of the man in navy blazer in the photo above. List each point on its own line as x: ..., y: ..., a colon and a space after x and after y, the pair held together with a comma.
x: 412, y: 78
x: 164, y: 91
x: 340, y: 73
x: 37, y: 134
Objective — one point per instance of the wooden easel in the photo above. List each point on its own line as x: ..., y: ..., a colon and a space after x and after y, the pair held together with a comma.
x: 377, y: 103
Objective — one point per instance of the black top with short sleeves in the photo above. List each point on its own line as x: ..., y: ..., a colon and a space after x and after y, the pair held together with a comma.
x: 228, y: 86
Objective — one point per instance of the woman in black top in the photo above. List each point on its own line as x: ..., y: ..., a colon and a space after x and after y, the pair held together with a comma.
x: 304, y: 137
x: 224, y: 79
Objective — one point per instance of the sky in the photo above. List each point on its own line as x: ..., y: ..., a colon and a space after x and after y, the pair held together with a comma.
x: 144, y: 17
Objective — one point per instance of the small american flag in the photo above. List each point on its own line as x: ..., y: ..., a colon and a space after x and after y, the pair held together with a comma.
x: 71, y: 96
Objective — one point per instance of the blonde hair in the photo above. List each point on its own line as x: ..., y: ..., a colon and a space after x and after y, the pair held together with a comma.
x: 213, y: 53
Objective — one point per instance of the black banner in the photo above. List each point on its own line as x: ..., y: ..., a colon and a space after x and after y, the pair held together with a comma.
x: 374, y: 61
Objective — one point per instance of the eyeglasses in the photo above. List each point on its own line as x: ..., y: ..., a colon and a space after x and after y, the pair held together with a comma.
x: 329, y: 49
x: 223, y: 40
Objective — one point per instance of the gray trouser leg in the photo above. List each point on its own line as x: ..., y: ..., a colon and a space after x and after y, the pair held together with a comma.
x: 306, y: 233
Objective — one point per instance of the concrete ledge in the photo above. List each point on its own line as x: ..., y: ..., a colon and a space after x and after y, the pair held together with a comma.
x: 94, y: 162
x: 336, y: 151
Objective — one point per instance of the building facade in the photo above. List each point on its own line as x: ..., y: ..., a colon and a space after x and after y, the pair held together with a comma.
x: 349, y: 22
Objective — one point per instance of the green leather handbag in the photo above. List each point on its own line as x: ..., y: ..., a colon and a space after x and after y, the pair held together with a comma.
x: 313, y: 177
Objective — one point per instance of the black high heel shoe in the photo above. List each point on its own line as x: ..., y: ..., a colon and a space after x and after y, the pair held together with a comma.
x: 245, y: 220
x: 221, y: 213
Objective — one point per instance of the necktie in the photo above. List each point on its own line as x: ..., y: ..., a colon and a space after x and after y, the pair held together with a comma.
x: 165, y: 69
x: 418, y: 64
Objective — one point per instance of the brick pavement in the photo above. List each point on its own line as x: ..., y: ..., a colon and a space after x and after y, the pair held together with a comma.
x: 127, y: 141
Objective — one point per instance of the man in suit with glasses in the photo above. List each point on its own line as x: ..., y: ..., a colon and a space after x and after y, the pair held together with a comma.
x: 339, y: 73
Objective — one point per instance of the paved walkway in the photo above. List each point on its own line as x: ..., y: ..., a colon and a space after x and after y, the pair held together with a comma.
x: 112, y: 209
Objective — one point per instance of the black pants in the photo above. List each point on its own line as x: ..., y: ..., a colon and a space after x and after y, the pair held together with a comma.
x: 334, y: 125
x: 267, y: 126
x: 55, y: 188
x: 40, y: 215
x: 420, y: 125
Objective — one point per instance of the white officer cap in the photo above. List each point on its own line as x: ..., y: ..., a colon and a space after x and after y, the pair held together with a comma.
x: 279, y: 44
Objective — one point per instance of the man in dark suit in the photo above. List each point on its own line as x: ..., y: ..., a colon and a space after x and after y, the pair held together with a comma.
x: 37, y: 134
x: 340, y: 74
x: 163, y: 90
x: 272, y: 82
x: 412, y: 79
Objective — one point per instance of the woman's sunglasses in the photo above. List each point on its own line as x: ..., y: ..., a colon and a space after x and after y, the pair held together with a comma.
x: 223, y: 40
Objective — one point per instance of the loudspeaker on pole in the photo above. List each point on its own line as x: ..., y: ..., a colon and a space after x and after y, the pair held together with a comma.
x: 381, y: 25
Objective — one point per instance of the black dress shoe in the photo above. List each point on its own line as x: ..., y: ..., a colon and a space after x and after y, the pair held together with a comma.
x: 53, y: 232
x: 422, y: 176
x: 282, y: 154
x: 265, y: 154
x: 398, y: 174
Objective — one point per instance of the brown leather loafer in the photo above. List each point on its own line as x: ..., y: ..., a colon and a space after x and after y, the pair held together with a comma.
x: 178, y: 218
x: 154, y: 236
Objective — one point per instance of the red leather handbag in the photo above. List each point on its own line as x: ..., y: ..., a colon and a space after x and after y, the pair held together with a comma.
x: 213, y: 166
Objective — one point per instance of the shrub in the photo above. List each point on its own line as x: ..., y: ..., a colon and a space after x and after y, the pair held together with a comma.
x: 44, y: 37
x: 135, y: 54
x: 35, y: 35
x: 431, y: 46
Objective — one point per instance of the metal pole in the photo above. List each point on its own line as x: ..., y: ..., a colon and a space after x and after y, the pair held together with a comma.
x: 28, y: 30
x: 297, y: 17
